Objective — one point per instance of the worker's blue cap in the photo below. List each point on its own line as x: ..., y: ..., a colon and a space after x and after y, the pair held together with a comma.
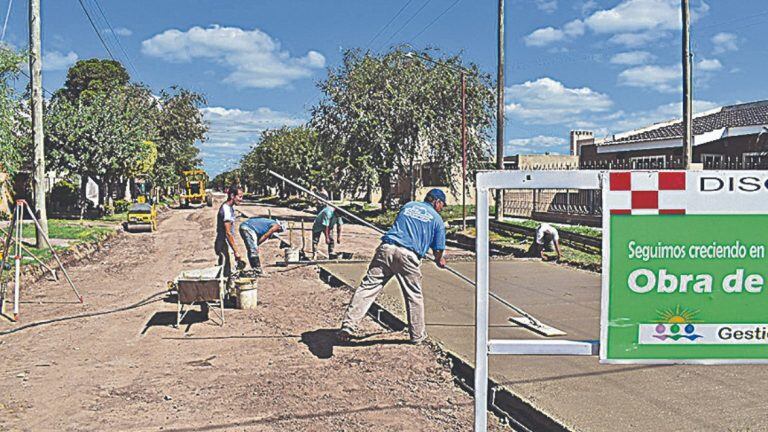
x: 437, y: 194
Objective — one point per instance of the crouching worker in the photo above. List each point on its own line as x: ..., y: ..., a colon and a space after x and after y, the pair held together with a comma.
x: 256, y: 231
x: 417, y: 228
x: 324, y: 223
x: 547, y: 240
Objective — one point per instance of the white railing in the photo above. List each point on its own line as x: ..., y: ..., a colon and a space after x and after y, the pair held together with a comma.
x: 486, y: 181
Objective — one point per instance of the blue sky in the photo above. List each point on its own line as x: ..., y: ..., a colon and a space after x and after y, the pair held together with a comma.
x: 601, y: 65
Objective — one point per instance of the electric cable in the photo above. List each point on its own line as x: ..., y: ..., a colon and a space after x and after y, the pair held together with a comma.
x: 7, y: 15
x: 436, y: 18
x: 407, y: 22
x: 114, y: 36
x: 98, y: 33
x: 386, y: 25
x: 144, y: 302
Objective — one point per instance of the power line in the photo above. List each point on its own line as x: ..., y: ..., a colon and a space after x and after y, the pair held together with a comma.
x: 114, y: 35
x: 388, y: 23
x: 98, y: 33
x: 5, y: 24
x: 435, y: 20
x: 27, y: 75
x: 407, y: 22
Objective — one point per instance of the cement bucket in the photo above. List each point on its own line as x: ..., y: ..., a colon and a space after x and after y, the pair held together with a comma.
x: 247, y: 294
x: 292, y: 254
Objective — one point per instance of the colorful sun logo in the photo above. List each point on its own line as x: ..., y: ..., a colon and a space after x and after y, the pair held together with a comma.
x: 678, y: 315
x: 677, y: 324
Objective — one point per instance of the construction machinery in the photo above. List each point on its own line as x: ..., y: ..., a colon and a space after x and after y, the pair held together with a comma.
x: 193, y: 193
x: 142, y: 214
x: 142, y: 217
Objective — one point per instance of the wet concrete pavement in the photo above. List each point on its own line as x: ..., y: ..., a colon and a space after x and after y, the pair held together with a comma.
x: 578, y: 392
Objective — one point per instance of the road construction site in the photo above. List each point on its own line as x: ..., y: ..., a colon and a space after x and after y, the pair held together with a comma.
x: 275, y: 368
x: 279, y: 367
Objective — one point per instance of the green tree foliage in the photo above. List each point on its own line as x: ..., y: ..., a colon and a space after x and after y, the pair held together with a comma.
x: 86, y: 78
x: 104, y: 136
x: 14, y: 142
x: 292, y: 152
x: 180, y: 126
x: 226, y: 179
x: 383, y: 113
x: 101, y: 126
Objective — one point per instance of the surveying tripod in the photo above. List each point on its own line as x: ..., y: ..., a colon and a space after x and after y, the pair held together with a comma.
x: 14, y: 237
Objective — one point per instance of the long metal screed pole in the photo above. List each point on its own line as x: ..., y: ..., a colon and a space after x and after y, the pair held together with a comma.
x: 534, y: 321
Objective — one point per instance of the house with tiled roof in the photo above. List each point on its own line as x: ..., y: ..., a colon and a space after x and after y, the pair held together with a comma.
x: 729, y: 137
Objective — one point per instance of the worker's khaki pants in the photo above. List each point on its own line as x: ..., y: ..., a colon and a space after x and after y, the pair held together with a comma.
x: 390, y: 260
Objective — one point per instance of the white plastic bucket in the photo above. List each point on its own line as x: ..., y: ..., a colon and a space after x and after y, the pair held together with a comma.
x: 292, y: 255
x: 247, y: 297
x: 246, y: 292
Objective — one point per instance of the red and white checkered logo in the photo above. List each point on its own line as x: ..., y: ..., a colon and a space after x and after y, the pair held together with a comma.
x: 646, y: 192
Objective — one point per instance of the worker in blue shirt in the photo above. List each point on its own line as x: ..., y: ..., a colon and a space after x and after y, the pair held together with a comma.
x: 417, y: 228
x: 256, y: 231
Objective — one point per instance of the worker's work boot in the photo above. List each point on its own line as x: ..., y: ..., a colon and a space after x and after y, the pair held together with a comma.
x: 344, y: 335
x: 255, y: 264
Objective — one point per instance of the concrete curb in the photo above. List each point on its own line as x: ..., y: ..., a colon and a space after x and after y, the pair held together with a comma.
x: 518, y: 413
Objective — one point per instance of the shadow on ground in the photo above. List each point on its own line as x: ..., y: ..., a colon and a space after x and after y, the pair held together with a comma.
x: 321, y: 342
x: 168, y: 319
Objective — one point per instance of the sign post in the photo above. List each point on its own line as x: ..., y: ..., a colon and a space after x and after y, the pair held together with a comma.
x: 684, y: 267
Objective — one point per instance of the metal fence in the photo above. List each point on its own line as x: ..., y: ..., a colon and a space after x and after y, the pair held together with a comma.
x: 527, y: 202
x: 757, y: 161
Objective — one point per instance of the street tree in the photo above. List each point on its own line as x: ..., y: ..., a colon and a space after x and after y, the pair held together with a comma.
x: 15, y: 139
x: 86, y: 78
x: 291, y: 151
x: 383, y: 114
x: 180, y: 126
x: 108, y: 136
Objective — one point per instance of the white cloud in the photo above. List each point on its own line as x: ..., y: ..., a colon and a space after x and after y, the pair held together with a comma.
x: 232, y: 125
x: 725, y: 42
x: 632, y: 58
x: 660, y: 78
x: 254, y: 57
x: 671, y: 111
x: 588, y: 6
x: 54, y: 60
x: 234, y: 131
x: 544, y: 36
x: 120, y: 31
x: 635, y: 40
x: 575, y: 28
x: 664, y: 79
x: 547, y: 6
x: 709, y: 65
x: 536, y: 144
x: 546, y: 101
x: 637, y: 15
x: 632, y: 21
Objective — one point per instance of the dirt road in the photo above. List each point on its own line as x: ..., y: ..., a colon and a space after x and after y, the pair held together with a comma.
x: 272, y: 369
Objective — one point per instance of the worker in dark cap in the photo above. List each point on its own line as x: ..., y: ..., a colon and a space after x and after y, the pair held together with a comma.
x: 417, y: 228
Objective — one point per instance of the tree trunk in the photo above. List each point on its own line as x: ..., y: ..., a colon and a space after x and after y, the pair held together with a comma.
x: 83, y: 195
x: 386, y: 190
x: 102, y: 190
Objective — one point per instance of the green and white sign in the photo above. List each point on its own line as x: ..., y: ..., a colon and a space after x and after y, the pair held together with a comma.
x: 684, y: 267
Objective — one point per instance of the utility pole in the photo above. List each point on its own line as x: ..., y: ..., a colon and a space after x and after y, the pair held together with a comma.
x: 687, y: 90
x: 36, y: 105
x: 500, y: 112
